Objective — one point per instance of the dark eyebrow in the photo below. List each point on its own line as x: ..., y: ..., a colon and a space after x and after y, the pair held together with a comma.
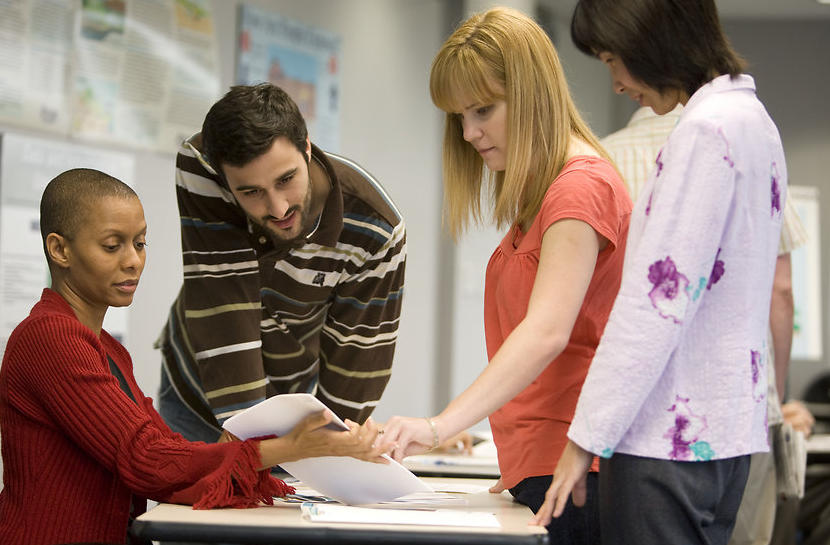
x: 282, y: 177
x: 113, y: 232
x: 288, y: 174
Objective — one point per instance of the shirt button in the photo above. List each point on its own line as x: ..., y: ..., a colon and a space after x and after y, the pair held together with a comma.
x: 263, y: 240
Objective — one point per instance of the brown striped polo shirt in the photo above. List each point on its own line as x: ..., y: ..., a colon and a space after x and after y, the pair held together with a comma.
x: 253, y: 319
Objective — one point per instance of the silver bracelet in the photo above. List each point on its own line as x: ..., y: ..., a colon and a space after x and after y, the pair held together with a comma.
x: 435, y: 442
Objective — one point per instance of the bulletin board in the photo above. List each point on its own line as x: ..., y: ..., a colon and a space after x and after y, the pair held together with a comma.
x: 136, y: 73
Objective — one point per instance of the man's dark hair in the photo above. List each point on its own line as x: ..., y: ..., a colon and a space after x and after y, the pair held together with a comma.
x: 65, y: 204
x: 666, y: 44
x: 244, y: 123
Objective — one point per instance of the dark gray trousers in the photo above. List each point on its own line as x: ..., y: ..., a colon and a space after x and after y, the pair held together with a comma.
x: 649, y: 501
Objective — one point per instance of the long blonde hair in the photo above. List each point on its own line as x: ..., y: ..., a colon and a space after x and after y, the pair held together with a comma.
x: 505, y: 48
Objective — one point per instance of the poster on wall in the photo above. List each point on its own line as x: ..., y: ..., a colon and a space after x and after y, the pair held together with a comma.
x: 35, y: 50
x: 806, y: 277
x: 27, y: 164
x: 138, y: 73
x: 301, y: 59
x: 145, y: 72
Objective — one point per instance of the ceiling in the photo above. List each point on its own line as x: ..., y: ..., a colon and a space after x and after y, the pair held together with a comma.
x: 780, y: 10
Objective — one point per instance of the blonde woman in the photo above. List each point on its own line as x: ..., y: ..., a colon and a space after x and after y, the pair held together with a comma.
x: 511, y: 125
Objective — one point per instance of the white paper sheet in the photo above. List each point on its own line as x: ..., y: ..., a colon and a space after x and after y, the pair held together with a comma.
x: 316, y: 512
x: 347, y: 480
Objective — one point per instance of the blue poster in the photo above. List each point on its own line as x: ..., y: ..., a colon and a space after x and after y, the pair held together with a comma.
x: 302, y: 60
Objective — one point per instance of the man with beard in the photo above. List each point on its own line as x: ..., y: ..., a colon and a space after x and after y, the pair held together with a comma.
x: 293, y: 270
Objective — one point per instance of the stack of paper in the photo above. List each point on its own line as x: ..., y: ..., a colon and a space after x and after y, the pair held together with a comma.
x: 347, y: 480
x: 316, y: 512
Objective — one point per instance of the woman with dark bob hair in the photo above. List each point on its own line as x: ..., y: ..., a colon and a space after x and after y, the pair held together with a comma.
x: 687, y: 334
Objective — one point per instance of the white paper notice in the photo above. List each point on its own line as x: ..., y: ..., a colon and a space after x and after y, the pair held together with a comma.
x: 345, y: 479
x: 316, y: 512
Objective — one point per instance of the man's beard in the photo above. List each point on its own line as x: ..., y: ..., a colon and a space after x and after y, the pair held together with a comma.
x: 279, y: 235
x: 301, y: 211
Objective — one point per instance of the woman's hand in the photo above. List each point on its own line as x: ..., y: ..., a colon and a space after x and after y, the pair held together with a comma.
x: 227, y: 437
x: 311, y: 439
x: 405, y: 436
x: 459, y: 443
x: 568, y: 477
x: 799, y: 416
x: 497, y: 488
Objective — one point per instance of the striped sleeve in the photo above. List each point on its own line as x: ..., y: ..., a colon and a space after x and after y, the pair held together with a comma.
x: 793, y: 233
x: 360, y: 331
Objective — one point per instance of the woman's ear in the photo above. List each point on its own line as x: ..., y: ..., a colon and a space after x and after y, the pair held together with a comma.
x: 56, y: 249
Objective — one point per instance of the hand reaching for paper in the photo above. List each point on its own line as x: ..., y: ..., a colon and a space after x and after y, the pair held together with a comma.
x: 407, y: 436
x: 313, y: 439
x: 461, y: 443
x: 310, y: 438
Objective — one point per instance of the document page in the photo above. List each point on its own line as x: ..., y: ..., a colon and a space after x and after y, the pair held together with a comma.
x: 316, y: 512
x: 345, y: 479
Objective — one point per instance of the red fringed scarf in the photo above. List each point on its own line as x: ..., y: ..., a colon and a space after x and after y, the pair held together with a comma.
x: 242, y: 486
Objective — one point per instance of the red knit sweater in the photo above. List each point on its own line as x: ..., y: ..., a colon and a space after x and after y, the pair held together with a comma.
x: 76, y: 448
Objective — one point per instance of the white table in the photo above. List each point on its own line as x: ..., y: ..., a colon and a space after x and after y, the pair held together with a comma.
x: 482, y: 463
x: 283, y: 523
x: 453, y: 465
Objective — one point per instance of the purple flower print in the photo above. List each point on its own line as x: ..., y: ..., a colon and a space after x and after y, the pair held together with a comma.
x: 775, y: 190
x: 759, y: 387
x: 717, y: 271
x: 669, y: 295
x: 659, y: 163
x: 686, y: 431
x: 727, y: 157
x: 648, y: 206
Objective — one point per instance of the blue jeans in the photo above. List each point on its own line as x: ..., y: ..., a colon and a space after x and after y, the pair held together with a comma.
x: 647, y: 501
x: 180, y: 418
x: 576, y: 525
